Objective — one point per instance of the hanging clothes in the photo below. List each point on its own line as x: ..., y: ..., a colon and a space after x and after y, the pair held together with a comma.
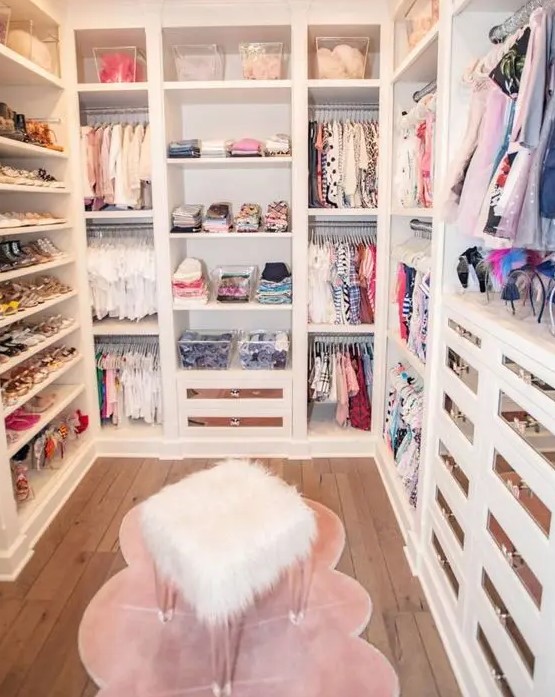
x: 121, y: 271
x: 116, y: 166
x: 412, y: 297
x: 403, y: 427
x: 341, y: 279
x: 343, y: 163
x: 129, y: 380
x: 414, y: 183
x: 343, y: 375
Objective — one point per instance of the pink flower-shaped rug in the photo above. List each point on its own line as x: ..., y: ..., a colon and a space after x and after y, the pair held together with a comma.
x: 128, y: 652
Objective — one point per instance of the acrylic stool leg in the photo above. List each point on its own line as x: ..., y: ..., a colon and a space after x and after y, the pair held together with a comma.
x: 300, y: 581
x: 166, y: 597
x: 225, y: 640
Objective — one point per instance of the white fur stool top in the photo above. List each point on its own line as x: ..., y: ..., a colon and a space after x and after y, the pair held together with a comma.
x: 226, y: 535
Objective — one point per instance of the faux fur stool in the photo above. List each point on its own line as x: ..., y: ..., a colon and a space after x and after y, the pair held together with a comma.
x: 221, y: 537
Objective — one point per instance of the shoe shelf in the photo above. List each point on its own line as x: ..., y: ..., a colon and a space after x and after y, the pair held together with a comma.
x: 56, y: 375
x: 36, y: 268
x: 33, y: 350
x: 14, y: 148
x: 32, y: 229
x: 18, y: 70
x: 10, y: 319
x: 24, y: 189
x: 65, y: 394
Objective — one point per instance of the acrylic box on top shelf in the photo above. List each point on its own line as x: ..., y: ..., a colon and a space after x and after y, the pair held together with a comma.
x: 5, y: 14
x: 198, y: 62
x: 261, y: 61
x: 120, y: 64
x: 38, y: 43
x: 341, y: 58
x: 422, y: 16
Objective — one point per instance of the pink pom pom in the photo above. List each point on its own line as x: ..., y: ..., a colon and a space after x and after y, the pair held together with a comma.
x: 117, y: 67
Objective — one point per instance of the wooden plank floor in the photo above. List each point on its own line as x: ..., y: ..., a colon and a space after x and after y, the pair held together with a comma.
x: 41, y: 611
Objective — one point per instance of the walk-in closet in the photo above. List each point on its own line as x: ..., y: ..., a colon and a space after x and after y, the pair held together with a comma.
x: 296, y: 231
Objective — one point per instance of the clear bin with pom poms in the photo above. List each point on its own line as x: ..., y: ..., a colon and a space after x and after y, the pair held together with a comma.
x: 120, y: 64
x: 341, y: 58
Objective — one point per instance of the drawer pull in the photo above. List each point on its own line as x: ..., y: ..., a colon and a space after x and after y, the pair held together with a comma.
x: 514, y: 558
x: 526, y: 424
x: 235, y: 393
x: 503, y: 616
x: 461, y: 368
x: 441, y: 560
x: 497, y: 676
x: 518, y: 489
x: 446, y: 514
x: 457, y: 414
x: 235, y: 422
x: 525, y: 375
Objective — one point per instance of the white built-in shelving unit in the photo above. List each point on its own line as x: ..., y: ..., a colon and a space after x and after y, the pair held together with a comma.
x: 481, y: 551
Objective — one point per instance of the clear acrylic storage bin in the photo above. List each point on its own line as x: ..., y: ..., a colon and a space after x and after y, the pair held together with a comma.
x: 198, y: 62
x: 5, y: 14
x: 234, y: 284
x: 38, y: 43
x: 261, y: 61
x: 120, y: 64
x: 423, y: 15
x: 206, y: 350
x: 264, y: 350
x: 341, y: 58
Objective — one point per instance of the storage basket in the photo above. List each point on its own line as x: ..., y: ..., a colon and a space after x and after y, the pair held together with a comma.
x: 341, y: 58
x: 120, y: 64
x: 264, y: 350
x: 261, y: 61
x: 206, y: 350
x: 198, y: 62
x: 38, y: 43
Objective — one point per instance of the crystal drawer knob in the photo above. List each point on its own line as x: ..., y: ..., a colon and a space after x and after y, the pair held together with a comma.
x: 503, y: 616
x: 235, y: 393
x: 235, y: 422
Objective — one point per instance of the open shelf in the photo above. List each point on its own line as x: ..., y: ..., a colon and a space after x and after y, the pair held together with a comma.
x: 33, y: 350
x: 17, y: 70
x: 65, y: 394
x: 10, y: 319
x: 14, y: 148
x: 24, y: 189
x: 323, y: 426
x: 232, y: 91
x: 36, y: 268
x: 420, y: 65
x: 413, y: 212
x: 342, y: 212
x: 116, y: 94
x: 32, y: 229
x: 124, y: 327
x: 214, y: 306
x: 231, y: 162
x: 415, y: 362
x: 355, y: 91
x: 118, y: 215
x: 341, y: 328
x: 230, y: 235
x: 52, y: 377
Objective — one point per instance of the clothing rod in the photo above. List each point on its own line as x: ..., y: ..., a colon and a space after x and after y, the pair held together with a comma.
x: 119, y: 226
x: 114, y: 110
x: 48, y: 119
x: 519, y: 19
x: 345, y: 224
x: 425, y: 91
x: 130, y: 339
x: 342, y: 338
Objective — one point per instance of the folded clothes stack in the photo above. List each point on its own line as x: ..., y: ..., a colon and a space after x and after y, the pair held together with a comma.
x: 187, y: 218
x: 276, y: 285
x: 277, y: 217
x: 234, y: 284
x: 246, y: 147
x: 184, y: 148
x: 278, y: 144
x: 249, y: 218
x: 189, y: 284
x: 214, y: 148
x: 218, y: 218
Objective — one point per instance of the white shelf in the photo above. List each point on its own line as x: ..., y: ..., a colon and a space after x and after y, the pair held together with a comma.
x: 125, y: 327
x: 418, y: 365
x: 413, y: 212
x: 10, y: 319
x: 65, y: 394
x: 214, y: 306
x: 405, y: 514
x: 17, y: 70
x: 118, y: 215
x: 232, y: 162
x: 342, y: 212
x: 401, y: 8
x: 230, y: 235
x: 13, y: 148
x: 52, y: 377
x: 321, y: 91
x: 236, y: 373
x: 420, y: 65
x: 32, y: 229
x: 22, y: 189
x: 114, y: 95
x: 36, y: 268
x: 232, y: 91
x: 22, y: 357
x: 341, y: 328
